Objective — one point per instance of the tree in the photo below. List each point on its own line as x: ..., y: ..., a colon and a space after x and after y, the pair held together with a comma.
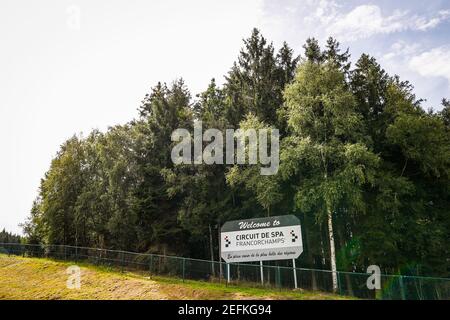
x: 339, y: 60
x: 7, y: 237
x: 256, y: 81
x: 313, y: 53
x: 33, y: 226
x: 328, y: 140
x: 115, y: 221
x: 162, y: 111
x: 265, y: 187
x: 445, y: 112
x: 59, y: 191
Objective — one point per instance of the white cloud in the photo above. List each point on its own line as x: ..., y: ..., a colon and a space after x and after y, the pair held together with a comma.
x: 325, y: 12
x: 423, y: 24
x: 432, y: 63
x: 402, y: 49
x: 425, y: 67
x: 297, y: 20
x: 367, y: 20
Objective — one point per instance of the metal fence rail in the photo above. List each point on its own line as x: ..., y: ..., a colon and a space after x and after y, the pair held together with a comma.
x: 350, y: 283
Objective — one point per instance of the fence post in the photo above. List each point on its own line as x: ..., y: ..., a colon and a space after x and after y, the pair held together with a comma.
x: 402, y: 288
x: 278, y: 278
x: 151, y: 264
x: 65, y: 253
x: 184, y: 263
x: 338, y: 274
x: 122, y: 261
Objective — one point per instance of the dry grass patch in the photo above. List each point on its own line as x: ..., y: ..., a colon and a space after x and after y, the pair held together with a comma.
x: 44, y: 279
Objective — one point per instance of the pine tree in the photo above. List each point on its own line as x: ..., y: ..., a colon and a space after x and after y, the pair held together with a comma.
x: 256, y: 81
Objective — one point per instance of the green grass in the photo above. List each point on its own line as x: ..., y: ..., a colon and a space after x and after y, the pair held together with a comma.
x: 39, y: 278
x: 255, y: 292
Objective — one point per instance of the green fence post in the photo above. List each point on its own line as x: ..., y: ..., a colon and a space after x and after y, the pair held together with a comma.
x: 339, y: 282
x: 184, y: 263
x: 379, y: 292
x: 150, y: 265
x: 228, y: 274
x: 123, y: 261
x: 402, y: 288
x: 278, y: 278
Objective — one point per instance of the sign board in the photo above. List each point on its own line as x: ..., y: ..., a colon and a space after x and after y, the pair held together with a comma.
x: 261, y: 239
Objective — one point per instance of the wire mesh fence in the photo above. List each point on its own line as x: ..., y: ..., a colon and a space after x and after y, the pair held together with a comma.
x: 393, y: 287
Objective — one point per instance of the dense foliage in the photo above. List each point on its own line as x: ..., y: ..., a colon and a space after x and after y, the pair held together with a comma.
x: 8, y: 237
x: 363, y: 166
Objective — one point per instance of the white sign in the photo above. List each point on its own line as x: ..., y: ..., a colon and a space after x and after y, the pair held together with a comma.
x: 261, y: 239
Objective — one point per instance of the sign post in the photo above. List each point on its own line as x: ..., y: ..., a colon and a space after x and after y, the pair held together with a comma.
x: 262, y: 272
x: 295, y: 273
x: 262, y: 239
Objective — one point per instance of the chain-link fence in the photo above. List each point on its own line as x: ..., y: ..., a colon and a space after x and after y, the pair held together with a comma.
x: 282, y: 278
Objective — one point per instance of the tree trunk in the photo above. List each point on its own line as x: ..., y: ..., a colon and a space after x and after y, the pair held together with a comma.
x: 332, y: 251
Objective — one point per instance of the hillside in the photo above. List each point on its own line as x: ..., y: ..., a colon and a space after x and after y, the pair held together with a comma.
x: 35, y: 278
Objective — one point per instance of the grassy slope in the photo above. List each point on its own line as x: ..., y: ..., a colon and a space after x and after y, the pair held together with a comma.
x: 33, y: 278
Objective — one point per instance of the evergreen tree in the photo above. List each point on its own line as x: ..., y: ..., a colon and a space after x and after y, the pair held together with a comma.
x: 256, y: 81
x: 7, y: 237
x: 162, y: 111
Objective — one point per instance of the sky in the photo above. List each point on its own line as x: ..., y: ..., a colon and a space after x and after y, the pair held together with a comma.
x: 67, y: 67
